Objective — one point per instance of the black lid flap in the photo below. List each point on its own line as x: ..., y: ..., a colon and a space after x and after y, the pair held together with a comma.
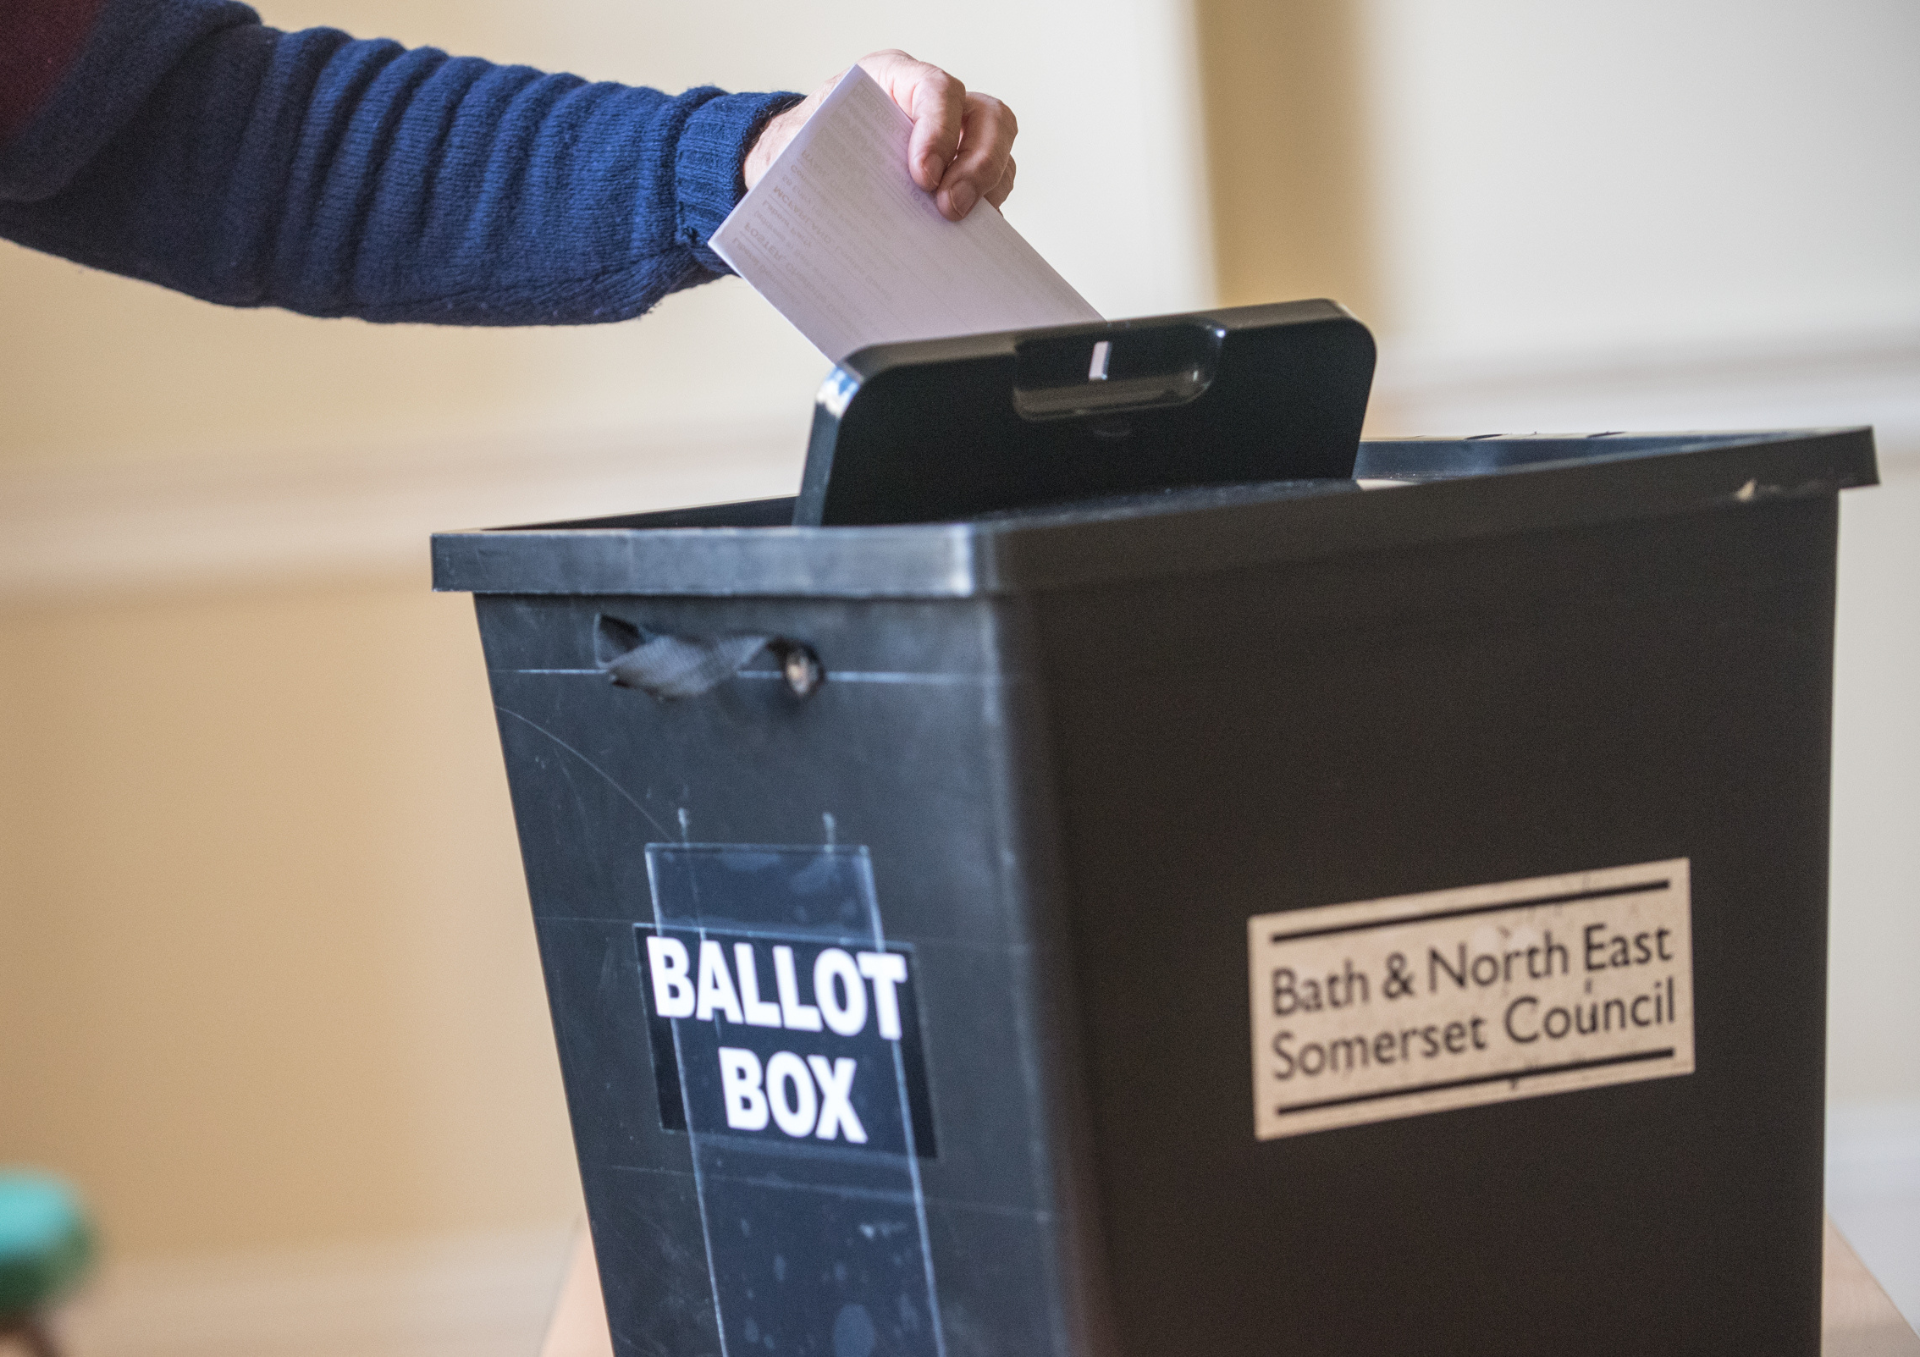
x: 955, y: 428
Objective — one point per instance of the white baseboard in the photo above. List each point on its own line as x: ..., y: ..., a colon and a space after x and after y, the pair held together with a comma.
x: 105, y: 526
x: 478, y: 1296
x: 299, y: 513
x: 1873, y: 1192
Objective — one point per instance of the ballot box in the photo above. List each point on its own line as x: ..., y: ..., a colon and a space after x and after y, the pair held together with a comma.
x: 1374, y: 913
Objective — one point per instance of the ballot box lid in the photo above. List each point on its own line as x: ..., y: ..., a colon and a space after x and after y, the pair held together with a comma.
x: 1402, y: 493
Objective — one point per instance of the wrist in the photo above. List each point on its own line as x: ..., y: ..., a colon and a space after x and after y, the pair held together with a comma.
x: 768, y: 141
x: 713, y: 145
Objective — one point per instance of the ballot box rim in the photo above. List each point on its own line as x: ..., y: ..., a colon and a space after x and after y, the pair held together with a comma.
x: 1469, y: 488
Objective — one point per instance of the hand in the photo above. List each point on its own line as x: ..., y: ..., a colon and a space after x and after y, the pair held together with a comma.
x: 962, y: 144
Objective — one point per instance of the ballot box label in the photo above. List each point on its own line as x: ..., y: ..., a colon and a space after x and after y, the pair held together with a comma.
x: 1377, y: 1009
x: 786, y: 1038
x: 786, y: 1047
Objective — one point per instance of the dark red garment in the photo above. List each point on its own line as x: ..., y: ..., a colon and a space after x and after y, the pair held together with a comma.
x: 38, y: 41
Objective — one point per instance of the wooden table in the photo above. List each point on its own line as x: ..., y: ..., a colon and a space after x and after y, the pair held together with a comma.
x: 1860, y: 1321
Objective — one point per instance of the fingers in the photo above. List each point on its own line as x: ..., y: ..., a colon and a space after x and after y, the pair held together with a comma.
x: 1005, y: 186
x: 961, y: 149
x: 934, y: 100
x: 985, y: 159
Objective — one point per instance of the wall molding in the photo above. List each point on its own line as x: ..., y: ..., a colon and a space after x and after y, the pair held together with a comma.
x: 1811, y: 382
x: 267, y: 515
x: 280, y: 515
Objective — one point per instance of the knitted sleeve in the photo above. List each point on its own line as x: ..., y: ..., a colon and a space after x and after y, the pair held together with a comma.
x: 191, y: 146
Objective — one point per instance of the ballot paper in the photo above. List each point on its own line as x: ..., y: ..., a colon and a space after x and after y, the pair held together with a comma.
x: 846, y: 246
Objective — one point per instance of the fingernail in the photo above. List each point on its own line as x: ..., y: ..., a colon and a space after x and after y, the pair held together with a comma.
x: 933, y: 167
x: 963, y: 197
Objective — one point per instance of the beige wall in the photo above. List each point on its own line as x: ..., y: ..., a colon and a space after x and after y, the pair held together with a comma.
x: 1287, y: 152
x: 1609, y: 177
x: 266, y: 971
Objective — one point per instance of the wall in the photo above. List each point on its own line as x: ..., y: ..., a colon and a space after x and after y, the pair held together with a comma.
x: 267, y: 969
x: 1287, y: 156
x: 1594, y: 177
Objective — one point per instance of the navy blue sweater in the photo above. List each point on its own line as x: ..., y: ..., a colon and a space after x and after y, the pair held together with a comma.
x: 194, y: 147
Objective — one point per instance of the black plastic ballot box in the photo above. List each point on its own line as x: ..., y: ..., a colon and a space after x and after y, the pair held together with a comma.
x: 1373, y: 913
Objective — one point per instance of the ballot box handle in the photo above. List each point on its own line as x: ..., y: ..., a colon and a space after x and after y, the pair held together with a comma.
x: 668, y: 667
x: 1087, y: 375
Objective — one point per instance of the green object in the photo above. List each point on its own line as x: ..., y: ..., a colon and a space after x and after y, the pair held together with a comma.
x: 45, y: 1242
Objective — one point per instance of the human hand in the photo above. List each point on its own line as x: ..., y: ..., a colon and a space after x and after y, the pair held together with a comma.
x: 962, y: 144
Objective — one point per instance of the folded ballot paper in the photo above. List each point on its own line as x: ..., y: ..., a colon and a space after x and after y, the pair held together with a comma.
x: 846, y: 246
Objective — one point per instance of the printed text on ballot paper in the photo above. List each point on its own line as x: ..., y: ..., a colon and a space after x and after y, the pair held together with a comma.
x: 800, y: 1041
x: 1412, y: 1004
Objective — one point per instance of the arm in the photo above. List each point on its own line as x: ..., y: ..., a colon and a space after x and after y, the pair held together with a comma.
x: 193, y: 147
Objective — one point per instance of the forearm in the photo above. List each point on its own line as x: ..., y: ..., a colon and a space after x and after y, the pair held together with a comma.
x: 336, y: 177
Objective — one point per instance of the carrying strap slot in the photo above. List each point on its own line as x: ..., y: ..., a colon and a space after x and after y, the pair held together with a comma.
x: 667, y: 667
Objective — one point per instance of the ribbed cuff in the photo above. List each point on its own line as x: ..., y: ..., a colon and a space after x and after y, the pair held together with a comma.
x: 133, y: 46
x: 713, y: 146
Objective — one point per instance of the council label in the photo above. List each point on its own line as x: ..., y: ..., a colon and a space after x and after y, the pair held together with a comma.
x: 1398, y: 1007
